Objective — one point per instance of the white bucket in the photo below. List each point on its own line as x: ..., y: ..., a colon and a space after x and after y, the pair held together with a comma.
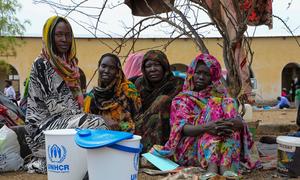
x: 287, y: 146
x: 65, y: 160
x: 112, y: 164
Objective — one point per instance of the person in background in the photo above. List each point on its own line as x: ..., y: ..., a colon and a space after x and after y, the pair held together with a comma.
x: 157, y: 87
x: 272, y: 139
x: 297, y: 133
x: 23, y: 102
x: 297, y: 96
x: 292, y: 92
x: 115, y: 98
x: 296, y: 81
x: 132, y: 67
x: 9, y: 91
x: 298, y: 118
x: 55, y: 98
x: 284, y: 92
x: 206, y: 130
x: 283, y: 102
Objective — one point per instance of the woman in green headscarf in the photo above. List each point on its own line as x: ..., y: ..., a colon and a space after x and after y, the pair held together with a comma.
x: 55, y: 99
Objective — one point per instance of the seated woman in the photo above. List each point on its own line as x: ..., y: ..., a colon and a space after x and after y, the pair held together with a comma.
x: 206, y: 130
x: 54, y: 96
x: 157, y: 87
x: 115, y: 98
x: 132, y: 67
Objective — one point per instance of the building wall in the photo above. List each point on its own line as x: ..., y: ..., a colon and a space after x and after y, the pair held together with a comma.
x: 271, y: 54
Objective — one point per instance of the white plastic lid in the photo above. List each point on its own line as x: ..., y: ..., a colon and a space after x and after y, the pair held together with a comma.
x: 60, y: 132
x: 288, y: 140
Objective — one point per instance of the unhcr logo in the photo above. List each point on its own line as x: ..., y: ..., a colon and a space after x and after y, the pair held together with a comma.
x: 56, y: 155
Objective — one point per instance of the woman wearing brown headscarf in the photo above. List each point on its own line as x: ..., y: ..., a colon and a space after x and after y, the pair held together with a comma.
x: 157, y: 87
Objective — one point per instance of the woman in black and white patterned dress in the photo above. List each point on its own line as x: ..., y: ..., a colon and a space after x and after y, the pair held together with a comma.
x: 54, y: 96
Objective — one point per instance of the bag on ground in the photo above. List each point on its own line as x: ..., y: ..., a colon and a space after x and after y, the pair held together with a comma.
x: 10, y: 159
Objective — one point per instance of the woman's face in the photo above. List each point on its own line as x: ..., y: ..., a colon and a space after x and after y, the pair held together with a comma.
x: 201, y: 78
x: 62, y: 38
x: 154, y: 71
x: 108, y: 70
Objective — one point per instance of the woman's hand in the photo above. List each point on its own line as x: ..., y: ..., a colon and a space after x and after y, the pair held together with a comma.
x: 228, y: 126
x: 238, y: 124
x: 220, y: 128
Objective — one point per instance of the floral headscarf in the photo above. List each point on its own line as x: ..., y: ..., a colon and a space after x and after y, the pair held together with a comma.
x: 66, y: 67
x: 215, y: 73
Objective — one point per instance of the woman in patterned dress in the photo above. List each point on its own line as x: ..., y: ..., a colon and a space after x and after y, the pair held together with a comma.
x: 55, y: 99
x: 115, y: 97
x: 206, y: 130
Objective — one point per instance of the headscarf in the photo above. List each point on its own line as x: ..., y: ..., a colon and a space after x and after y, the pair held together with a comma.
x: 66, y: 67
x: 169, y: 85
x: 153, y: 121
x: 216, y: 88
x: 157, y: 55
x: 133, y: 65
x: 113, y: 98
x: 120, y: 85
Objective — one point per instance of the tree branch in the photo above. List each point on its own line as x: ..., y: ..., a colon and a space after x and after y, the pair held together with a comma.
x: 199, y: 41
x: 288, y: 28
x: 98, y: 19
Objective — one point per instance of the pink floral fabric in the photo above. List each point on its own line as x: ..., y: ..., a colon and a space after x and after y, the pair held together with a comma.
x: 199, y: 108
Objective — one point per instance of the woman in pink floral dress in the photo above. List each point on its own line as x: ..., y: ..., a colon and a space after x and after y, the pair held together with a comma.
x: 206, y: 130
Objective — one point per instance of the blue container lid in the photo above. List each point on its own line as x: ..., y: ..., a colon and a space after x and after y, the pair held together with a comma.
x: 96, y: 138
x: 179, y: 74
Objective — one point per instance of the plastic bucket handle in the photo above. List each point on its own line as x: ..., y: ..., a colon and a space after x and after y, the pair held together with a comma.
x: 126, y: 148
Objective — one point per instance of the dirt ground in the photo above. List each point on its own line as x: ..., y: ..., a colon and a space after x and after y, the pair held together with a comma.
x: 258, y: 175
x: 278, y: 117
x: 269, y: 118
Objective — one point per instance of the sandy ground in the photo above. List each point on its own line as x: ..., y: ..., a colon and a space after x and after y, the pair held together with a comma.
x: 277, y: 117
x: 269, y: 120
